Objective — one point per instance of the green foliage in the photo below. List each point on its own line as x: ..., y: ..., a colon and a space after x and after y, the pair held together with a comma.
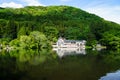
x: 55, y: 21
x: 51, y: 33
x: 21, y: 32
x: 15, y: 42
x: 111, y: 39
x: 36, y: 40
x: 78, y: 33
x: 39, y: 39
x: 25, y: 41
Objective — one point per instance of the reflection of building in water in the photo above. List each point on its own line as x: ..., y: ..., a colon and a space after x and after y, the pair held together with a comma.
x: 63, y: 43
x: 69, y: 51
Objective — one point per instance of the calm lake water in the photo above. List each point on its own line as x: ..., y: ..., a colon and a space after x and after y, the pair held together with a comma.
x: 60, y: 64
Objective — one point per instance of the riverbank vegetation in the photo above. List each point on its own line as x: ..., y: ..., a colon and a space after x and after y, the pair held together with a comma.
x: 38, y: 27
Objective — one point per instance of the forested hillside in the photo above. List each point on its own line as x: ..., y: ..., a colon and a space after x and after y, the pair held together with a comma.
x: 55, y: 21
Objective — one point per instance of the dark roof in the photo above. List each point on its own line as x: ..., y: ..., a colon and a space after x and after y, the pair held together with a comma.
x: 69, y: 41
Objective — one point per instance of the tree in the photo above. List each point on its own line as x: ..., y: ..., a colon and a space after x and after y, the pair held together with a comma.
x: 21, y: 32
x: 111, y: 40
x: 51, y: 33
x: 38, y: 38
x: 25, y: 41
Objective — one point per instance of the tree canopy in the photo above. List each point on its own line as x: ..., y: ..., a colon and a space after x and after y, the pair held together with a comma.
x: 55, y: 21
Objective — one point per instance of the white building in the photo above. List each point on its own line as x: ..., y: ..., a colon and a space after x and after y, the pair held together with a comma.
x: 63, y: 43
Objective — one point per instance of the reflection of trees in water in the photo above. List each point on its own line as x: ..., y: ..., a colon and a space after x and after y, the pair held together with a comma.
x: 33, y: 57
x: 112, y: 60
x: 36, y: 65
x: 9, y: 68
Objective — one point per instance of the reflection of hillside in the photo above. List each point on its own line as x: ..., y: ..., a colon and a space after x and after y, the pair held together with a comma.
x: 68, y: 51
x: 34, y: 57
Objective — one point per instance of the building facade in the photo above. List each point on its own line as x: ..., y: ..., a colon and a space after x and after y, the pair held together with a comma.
x: 63, y: 43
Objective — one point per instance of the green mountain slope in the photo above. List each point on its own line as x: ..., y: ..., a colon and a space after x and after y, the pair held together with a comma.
x: 55, y: 21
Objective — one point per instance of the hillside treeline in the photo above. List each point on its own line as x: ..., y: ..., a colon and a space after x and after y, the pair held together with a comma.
x: 56, y: 21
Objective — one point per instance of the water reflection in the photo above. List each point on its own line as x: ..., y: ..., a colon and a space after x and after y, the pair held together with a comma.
x: 61, y: 52
x: 33, y: 57
x: 111, y: 76
x: 45, y: 64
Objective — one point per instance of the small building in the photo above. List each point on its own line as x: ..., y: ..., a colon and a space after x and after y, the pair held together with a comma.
x: 63, y: 43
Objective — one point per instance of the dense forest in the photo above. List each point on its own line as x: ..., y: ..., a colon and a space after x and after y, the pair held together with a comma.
x: 48, y: 23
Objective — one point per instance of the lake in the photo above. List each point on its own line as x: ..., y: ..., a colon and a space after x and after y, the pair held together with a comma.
x: 60, y: 64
